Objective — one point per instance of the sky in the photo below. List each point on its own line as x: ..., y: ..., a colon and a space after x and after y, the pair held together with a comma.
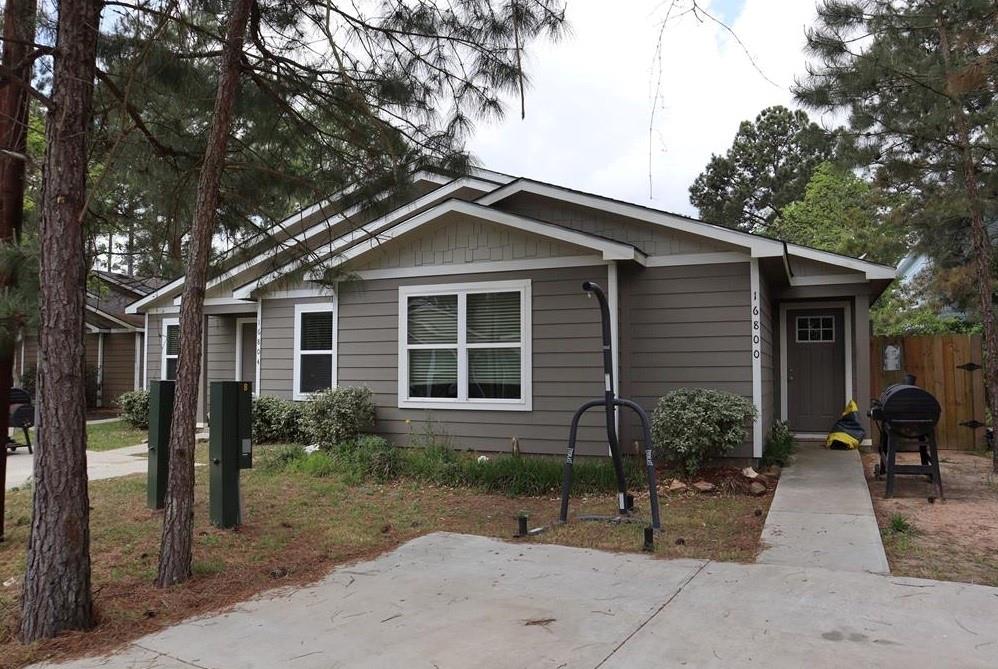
x: 591, y: 95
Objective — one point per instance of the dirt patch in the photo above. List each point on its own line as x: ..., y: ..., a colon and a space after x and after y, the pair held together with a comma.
x: 955, y: 540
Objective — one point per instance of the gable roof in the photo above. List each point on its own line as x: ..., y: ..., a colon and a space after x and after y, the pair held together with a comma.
x: 495, y: 188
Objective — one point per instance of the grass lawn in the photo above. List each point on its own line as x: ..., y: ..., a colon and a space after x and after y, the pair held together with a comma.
x: 117, y: 434
x: 298, y: 526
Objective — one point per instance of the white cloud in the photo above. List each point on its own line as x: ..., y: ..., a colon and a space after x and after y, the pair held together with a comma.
x: 589, y: 104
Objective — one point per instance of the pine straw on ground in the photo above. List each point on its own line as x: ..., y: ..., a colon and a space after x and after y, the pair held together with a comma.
x: 298, y: 527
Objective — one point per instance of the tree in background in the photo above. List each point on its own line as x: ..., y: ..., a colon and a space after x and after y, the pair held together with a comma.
x: 57, y: 593
x: 844, y: 214
x: 767, y: 167
x: 381, y: 96
x: 918, y: 80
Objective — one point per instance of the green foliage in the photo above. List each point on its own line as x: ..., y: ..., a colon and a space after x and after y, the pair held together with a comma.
x: 29, y: 380
x: 884, y: 64
x: 766, y: 168
x: 898, y: 524
x: 907, y: 310
x: 338, y: 415
x: 276, y: 420
x: 843, y: 214
x: 691, y: 425
x: 779, y: 445
x: 369, y: 457
x: 319, y: 464
x: 279, y: 458
x: 135, y: 408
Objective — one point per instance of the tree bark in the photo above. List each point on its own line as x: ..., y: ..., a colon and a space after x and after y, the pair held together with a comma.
x: 18, y: 34
x: 178, y: 519
x: 57, y: 594
x: 980, y: 241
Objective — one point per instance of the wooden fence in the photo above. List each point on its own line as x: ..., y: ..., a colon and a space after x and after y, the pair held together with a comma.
x: 948, y: 366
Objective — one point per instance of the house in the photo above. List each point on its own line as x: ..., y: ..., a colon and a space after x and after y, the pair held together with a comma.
x: 463, y: 311
x: 114, y: 339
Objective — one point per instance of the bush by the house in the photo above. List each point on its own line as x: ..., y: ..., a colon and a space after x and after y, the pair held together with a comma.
x: 692, y: 425
x: 135, y: 408
x: 29, y: 379
x: 338, y: 416
x: 276, y: 421
x: 279, y: 458
x: 370, y: 457
x: 779, y: 445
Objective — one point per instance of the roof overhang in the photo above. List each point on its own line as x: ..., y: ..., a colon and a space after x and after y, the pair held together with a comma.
x: 113, y: 319
x: 608, y: 249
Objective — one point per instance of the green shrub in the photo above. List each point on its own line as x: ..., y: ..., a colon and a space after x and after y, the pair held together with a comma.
x: 370, y: 457
x: 691, y: 425
x: 277, y: 421
x: 135, y: 408
x: 279, y: 458
x: 779, y: 445
x: 436, y: 463
x: 338, y: 416
x: 898, y: 524
x: 29, y: 380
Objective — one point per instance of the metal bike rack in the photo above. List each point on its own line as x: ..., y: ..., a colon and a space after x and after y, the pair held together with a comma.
x: 610, y: 401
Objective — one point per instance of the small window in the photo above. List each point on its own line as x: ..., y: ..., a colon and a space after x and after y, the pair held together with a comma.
x: 815, y: 329
x: 171, y: 349
x: 465, y: 346
x: 315, y: 349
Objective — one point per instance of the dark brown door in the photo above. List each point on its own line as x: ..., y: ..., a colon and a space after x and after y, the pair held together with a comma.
x: 816, y: 384
x: 248, y: 352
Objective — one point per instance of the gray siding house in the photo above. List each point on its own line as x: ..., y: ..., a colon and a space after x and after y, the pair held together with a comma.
x: 462, y: 311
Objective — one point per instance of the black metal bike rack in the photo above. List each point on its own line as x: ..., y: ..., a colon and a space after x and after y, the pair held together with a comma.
x: 610, y: 402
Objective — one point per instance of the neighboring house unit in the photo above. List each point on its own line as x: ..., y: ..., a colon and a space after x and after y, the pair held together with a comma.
x: 113, y: 339
x: 463, y: 311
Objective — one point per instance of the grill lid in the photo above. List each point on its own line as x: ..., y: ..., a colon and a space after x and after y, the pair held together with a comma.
x: 902, y: 404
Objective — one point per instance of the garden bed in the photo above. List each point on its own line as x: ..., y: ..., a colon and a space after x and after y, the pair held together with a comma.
x: 955, y: 540
x: 299, y: 525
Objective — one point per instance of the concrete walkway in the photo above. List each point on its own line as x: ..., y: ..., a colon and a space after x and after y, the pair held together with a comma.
x: 463, y: 602
x: 100, y: 464
x: 822, y: 515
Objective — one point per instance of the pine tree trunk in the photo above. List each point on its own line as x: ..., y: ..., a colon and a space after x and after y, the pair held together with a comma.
x: 178, y: 519
x: 57, y: 594
x: 980, y: 242
x: 18, y: 34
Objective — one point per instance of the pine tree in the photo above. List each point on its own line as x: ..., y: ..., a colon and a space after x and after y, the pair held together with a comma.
x: 767, y: 167
x: 918, y: 80
x: 57, y: 593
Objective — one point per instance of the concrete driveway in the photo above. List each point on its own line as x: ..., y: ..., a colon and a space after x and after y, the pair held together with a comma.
x: 100, y: 464
x: 456, y: 601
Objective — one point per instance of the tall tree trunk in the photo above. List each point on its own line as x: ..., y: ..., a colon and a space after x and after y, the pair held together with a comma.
x: 980, y: 239
x: 178, y: 518
x: 57, y: 594
x: 18, y: 35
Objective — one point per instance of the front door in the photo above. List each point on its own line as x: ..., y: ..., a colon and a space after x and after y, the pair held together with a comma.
x: 815, y: 368
x: 247, y: 351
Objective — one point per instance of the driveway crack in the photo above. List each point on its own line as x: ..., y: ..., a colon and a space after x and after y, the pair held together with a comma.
x: 637, y: 629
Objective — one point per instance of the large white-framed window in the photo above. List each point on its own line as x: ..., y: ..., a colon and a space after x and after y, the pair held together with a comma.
x: 465, y: 346
x: 315, y: 349
x: 169, y: 349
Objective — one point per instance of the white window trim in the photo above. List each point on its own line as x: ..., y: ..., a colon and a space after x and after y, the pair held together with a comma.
x: 163, y: 326
x: 462, y: 290
x: 312, y: 308
x: 240, y: 322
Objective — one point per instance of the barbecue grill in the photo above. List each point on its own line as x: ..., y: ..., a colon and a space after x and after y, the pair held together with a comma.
x: 906, y: 414
x: 21, y: 415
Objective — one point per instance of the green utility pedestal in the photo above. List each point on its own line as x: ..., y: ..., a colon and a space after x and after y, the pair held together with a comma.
x: 229, y: 448
x: 160, y: 417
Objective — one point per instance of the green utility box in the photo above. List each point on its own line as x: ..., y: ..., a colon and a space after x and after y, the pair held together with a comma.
x: 230, y: 448
x: 160, y: 417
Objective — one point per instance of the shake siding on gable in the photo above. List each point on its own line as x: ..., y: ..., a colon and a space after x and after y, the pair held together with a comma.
x: 686, y: 326
x: 567, y: 367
